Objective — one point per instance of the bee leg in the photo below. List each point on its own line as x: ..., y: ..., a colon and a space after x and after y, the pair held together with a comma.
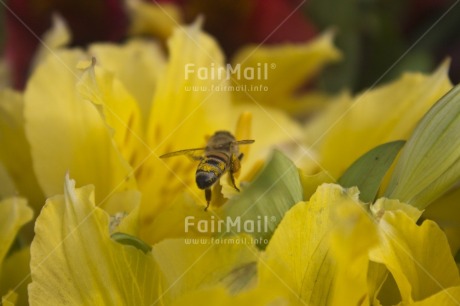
x: 234, y: 167
x: 240, y: 157
x: 207, y: 194
x: 232, y: 178
x: 235, y: 164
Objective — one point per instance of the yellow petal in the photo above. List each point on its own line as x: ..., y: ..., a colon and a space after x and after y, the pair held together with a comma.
x: 153, y: 19
x: 311, y: 182
x: 170, y: 222
x: 56, y: 37
x: 448, y: 296
x: 119, y: 110
x: 351, y: 239
x: 198, y: 263
x: 377, y: 274
x: 137, y: 64
x: 10, y: 299
x: 318, y: 126
x: 190, y: 49
x: 444, y: 212
x: 375, y: 117
x: 75, y: 262
x: 418, y: 257
x: 219, y: 296
x: 15, y: 153
x: 303, y: 105
x: 181, y: 117
x: 123, y: 208
x: 389, y: 293
x: 383, y: 205
x: 298, y: 61
x: 7, y: 188
x: 14, y: 213
x: 298, y: 257
x: 15, y: 275
x: 124, y: 201
x: 67, y: 133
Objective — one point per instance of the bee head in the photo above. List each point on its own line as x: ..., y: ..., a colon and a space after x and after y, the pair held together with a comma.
x: 205, y: 179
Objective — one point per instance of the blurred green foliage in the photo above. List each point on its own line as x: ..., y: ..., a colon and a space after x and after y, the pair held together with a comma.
x: 380, y: 39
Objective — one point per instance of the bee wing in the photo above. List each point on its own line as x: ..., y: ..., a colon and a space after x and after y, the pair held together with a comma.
x: 194, y: 154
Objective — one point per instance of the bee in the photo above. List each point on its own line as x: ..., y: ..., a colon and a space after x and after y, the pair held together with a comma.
x: 220, y: 155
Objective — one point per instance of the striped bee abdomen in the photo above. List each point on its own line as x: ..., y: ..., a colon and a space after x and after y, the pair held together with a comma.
x: 209, y: 171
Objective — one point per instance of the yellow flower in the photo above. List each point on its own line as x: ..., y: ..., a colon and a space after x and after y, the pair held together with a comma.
x: 106, y: 122
x: 74, y: 260
x: 326, y: 251
x: 105, y: 114
x: 313, y: 258
x: 15, y: 155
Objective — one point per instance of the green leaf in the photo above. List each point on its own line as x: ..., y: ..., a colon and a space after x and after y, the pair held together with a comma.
x: 367, y: 172
x: 132, y: 241
x: 430, y: 162
x: 265, y: 201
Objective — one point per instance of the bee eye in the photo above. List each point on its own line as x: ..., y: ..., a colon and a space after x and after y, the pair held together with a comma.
x: 205, y: 179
